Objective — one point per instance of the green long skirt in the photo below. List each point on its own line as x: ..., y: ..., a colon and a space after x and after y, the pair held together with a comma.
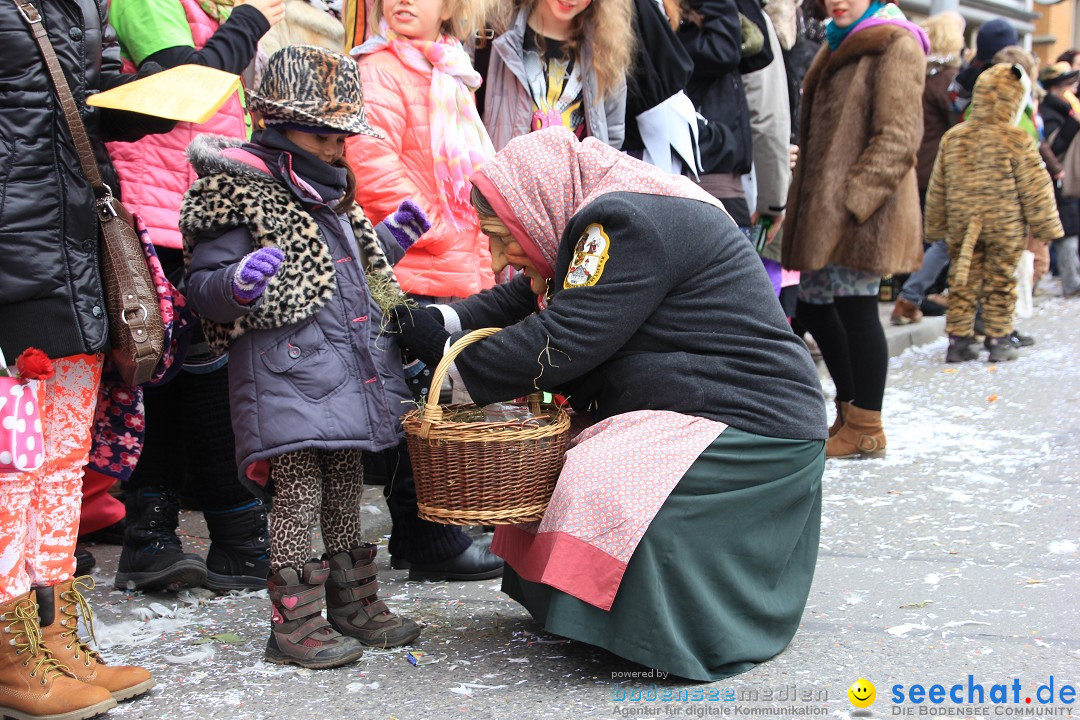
x: 719, y: 581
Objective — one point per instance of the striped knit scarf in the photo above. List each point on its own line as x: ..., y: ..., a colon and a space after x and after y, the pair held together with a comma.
x: 459, y: 141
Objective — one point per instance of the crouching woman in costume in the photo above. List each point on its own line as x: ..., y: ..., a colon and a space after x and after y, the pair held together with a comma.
x: 684, y: 529
x: 287, y: 274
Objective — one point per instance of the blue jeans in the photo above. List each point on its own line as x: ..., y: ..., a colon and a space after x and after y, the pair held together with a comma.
x: 934, y: 261
x: 1068, y: 265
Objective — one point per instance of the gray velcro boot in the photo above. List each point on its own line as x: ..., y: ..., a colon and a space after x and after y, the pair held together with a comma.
x: 299, y: 635
x: 962, y: 349
x: 1001, y: 349
x: 353, y: 605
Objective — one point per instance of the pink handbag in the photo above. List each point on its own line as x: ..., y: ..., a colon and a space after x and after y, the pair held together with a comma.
x: 22, y: 445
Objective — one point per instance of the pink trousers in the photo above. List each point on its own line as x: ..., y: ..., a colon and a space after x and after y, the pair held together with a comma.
x: 39, y: 511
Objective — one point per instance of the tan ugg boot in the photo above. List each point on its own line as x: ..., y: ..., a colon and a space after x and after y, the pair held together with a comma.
x: 841, y: 408
x: 33, y: 683
x: 905, y: 312
x: 60, y: 631
x: 862, y: 435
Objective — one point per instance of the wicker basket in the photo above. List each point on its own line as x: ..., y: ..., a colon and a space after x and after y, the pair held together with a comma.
x: 483, y: 473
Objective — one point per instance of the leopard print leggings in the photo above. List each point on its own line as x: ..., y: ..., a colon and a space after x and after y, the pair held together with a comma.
x: 314, y: 486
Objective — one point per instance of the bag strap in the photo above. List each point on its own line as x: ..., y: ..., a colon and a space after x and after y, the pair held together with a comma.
x: 1051, y: 139
x: 71, y: 111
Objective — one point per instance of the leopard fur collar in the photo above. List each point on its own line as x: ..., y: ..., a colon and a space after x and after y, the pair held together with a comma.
x: 231, y: 194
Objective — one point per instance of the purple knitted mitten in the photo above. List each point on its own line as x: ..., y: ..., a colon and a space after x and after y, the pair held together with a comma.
x: 407, y: 224
x: 254, y: 272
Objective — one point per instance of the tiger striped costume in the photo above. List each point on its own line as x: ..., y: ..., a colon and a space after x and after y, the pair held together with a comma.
x: 988, y: 189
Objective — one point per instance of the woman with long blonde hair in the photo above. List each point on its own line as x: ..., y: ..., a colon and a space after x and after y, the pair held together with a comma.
x: 560, y: 63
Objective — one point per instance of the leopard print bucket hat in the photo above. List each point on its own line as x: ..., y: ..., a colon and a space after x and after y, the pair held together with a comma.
x: 308, y: 85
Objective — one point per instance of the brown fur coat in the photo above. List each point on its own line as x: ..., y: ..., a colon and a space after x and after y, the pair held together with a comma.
x: 854, y: 198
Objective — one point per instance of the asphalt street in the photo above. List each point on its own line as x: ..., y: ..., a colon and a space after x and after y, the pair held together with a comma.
x: 953, y: 561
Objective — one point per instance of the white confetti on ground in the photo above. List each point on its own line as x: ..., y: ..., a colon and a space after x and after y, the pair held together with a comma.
x: 902, y: 630
x: 1062, y: 547
x: 205, y: 652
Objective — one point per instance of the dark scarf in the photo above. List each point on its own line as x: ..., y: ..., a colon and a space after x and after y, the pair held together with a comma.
x: 327, y: 180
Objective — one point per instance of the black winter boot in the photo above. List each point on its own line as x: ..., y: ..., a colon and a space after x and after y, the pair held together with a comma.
x: 84, y: 561
x: 299, y: 635
x: 239, y: 554
x: 152, y: 557
x: 1020, y: 340
x: 353, y: 605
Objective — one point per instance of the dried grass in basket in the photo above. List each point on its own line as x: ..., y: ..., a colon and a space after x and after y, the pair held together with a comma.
x: 483, y: 473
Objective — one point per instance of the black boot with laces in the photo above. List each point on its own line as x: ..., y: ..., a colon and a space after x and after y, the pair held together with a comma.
x: 152, y: 557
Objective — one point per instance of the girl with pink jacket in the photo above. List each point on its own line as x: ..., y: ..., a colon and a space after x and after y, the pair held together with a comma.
x: 418, y: 88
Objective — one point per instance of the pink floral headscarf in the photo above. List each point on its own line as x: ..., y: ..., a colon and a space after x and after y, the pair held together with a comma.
x: 539, y: 181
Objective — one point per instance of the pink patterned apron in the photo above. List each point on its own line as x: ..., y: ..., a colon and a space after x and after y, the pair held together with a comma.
x: 618, y: 473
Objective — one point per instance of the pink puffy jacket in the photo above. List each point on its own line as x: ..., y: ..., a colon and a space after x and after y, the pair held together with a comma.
x: 445, y: 261
x: 154, y: 172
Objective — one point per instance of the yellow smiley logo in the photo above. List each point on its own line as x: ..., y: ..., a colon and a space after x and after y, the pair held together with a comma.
x: 862, y: 693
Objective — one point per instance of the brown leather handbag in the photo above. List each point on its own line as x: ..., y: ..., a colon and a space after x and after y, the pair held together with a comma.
x: 136, y: 331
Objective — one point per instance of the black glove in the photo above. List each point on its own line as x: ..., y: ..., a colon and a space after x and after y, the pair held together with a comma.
x: 421, y: 333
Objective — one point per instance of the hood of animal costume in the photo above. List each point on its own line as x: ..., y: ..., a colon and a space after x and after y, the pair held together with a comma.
x: 1000, y: 95
x: 539, y: 181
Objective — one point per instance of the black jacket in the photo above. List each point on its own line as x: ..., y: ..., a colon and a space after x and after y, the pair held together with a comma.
x: 676, y: 319
x: 1056, y: 115
x: 716, y: 86
x: 661, y: 68
x: 50, y: 286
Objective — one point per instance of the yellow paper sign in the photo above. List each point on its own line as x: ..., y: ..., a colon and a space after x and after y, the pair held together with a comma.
x: 189, y: 93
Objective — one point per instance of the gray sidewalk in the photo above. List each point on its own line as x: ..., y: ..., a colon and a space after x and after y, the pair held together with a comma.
x: 958, y: 554
x: 902, y: 337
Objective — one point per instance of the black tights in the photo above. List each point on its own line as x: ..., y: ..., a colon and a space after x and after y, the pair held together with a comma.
x: 416, y: 540
x: 853, y: 346
x: 189, y: 441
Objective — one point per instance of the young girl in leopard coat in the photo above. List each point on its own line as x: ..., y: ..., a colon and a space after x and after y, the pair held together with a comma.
x: 286, y: 273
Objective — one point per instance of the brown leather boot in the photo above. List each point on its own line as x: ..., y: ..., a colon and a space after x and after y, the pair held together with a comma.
x: 299, y: 635
x: 861, y: 436
x: 61, y: 636
x: 905, y: 312
x: 841, y: 408
x: 33, y: 683
x: 353, y: 605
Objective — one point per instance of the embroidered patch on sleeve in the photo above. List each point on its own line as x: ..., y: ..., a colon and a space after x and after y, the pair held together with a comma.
x: 590, y: 255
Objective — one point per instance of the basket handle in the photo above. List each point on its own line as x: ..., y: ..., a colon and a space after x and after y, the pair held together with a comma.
x: 432, y: 410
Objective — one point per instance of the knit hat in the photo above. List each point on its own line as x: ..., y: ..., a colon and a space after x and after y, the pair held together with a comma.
x: 312, y: 87
x: 993, y: 36
x: 1060, y: 73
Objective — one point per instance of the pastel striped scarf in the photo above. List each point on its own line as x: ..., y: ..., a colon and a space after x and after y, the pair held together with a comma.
x: 459, y: 141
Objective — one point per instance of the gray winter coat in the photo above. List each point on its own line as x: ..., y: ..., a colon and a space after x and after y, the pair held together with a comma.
x: 508, y: 107
x: 331, y: 381
x: 770, y: 128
